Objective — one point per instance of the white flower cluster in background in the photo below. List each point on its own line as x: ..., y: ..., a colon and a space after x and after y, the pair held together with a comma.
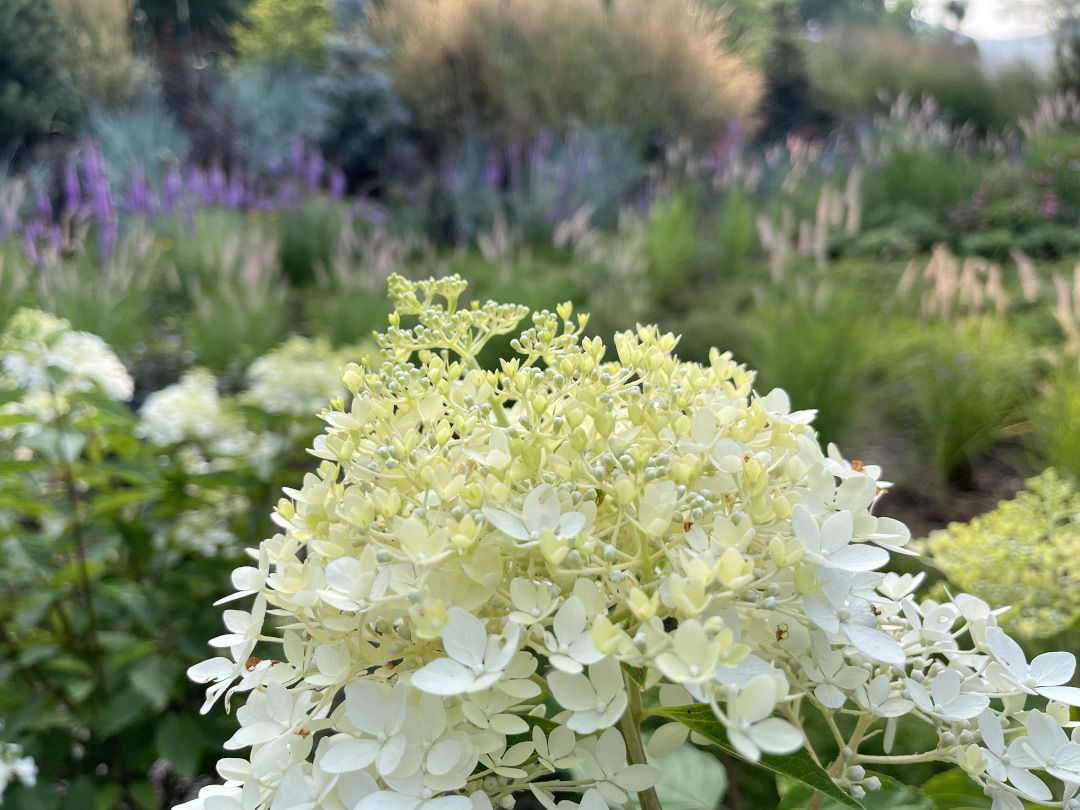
x: 14, y: 766
x: 43, y: 356
x: 477, y: 543
x: 300, y: 376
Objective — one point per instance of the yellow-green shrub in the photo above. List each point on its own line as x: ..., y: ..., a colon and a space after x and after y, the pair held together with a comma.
x: 283, y: 30
x: 1022, y: 554
x: 106, y: 70
x: 516, y: 67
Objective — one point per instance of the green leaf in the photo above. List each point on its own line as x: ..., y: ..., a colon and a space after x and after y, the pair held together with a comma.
x: 80, y: 795
x: 637, y: 675
x: 178, y: 740
x: 123, y: 710
x: 154, y: 679
x: 690, y: 779
x: 892, y: 796
x: 799, y: 766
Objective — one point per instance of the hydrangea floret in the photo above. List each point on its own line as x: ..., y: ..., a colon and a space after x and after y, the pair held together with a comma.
x: 491, y: 571
x: 46, y: 362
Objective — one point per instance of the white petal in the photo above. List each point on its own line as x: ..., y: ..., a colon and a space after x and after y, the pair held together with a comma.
x: 874, y: 643
x: 1069, y: 695
x: 542, y: 509
x: 757, y: 699
x: 966, y: 707
x: 806, y: 528
x: 1007, y: 652
x: 820, y: 615
x: 388, y: 800
x: 574, y: 692
x: 1053, y: 668
x: 507, y: 524
x: 830, y: 695
x: 351, y: 755
x: 464, y: 637
x: 836, y: 531
x: 637, y: 778
x: 667, y: 739
x: 919, y: 695
x: 366, y: 706
x: 213, y: 670
x: 1029, y: 784
x: 859, y: 557
x: 292, y: 790
x: 571, y: 524
x: 776, y: 736
x: 444, y: 677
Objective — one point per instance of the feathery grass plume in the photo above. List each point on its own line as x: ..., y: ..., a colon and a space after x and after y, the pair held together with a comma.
x: 516, y: 68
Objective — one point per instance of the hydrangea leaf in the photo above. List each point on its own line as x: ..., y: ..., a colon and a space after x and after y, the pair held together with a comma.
x: 893, y: 795
x: 798, y: 766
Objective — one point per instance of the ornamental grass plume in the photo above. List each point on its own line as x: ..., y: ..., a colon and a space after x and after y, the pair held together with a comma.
x: 1021, y: 554
x: 477, y: 546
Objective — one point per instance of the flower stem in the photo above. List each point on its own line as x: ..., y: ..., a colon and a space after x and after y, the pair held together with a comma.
x: 630, y: 727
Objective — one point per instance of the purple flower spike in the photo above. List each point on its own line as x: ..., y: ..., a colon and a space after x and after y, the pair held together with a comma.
x: 43, y: 207
x: 337, y: 184
x: 234, y: 197
x: 218, y: 185
x: 72, y: 190
x: 275, y: 164
x: 493, y: 174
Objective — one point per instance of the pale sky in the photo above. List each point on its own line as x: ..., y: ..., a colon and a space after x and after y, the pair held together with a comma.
x: 994, y: 19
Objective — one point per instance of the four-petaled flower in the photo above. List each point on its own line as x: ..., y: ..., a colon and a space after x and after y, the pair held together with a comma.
x: 476, y: 660
x: 596, y: 701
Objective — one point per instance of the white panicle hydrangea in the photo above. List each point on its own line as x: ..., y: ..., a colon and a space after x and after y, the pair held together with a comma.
x: 190, y: 410
x: 43, y: 355
x: 300, y: 376
x: 14, y: 766
x: 478, y: 545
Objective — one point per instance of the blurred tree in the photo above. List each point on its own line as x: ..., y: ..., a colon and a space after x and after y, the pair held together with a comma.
x: 1064, y: 18
x: 207, y: 16
x: 365, y: 120
x: 786, y: 103
x: 283, y: 31
x: 36, y: 90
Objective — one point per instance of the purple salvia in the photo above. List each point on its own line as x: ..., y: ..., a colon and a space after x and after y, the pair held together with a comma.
x: 275, y: 164
x: 72, y: 190
x: 43, y: 206
x: 234, y: 196
x: 337, y: 184
x: 217, y: 185
x: 56, y: 236
x: 493, y: 174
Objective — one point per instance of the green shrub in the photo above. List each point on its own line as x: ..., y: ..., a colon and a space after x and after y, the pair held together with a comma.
x: 834, y: 362
x: 853, y: 69
x: 1021, y: 554
x: 283, y: 31
x: 1054, y: 417
x: 959, y: 403
x: 909, y: 178
x: 36, y: 93
x: 515, y: 67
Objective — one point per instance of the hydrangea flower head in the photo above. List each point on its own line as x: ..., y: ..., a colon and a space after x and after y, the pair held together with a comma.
x: 478, y: 541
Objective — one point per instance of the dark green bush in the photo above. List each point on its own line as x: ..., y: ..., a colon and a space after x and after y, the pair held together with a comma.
x: 36, y: 92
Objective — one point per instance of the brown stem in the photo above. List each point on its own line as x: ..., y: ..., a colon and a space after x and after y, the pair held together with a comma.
x: 734, y: 795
